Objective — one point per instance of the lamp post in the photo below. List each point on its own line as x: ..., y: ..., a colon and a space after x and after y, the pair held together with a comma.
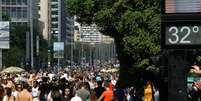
x: 92, y: 45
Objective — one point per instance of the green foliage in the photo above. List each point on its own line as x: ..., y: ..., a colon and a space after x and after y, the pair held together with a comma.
x: 134, y: 24
x: 16, y: 54
x: 13, y: 57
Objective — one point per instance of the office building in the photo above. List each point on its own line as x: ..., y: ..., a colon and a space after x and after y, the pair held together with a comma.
x: 61, y: 22
x: 16, y: 10
x: 44, y: 18
x: 90, y: 34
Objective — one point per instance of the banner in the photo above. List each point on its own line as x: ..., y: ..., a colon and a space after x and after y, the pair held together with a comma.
x: 4, y: 35
x: 58, y: 50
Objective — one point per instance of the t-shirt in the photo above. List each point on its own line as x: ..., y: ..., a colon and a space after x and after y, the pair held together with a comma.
x: 83, y: 94
x: 35, y: 92
x: 76, y: 98
x: 108, y: 95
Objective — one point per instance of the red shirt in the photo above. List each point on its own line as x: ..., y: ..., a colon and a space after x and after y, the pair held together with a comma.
x: 111, y: 86
x: 108, y: 95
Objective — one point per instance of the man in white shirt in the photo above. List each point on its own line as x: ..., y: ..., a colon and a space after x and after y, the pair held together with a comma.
x: 35, y: 92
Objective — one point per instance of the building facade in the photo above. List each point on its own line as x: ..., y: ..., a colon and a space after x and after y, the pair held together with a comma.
x: 90, y: 34
x: 43, y: 19
x: 61, y: 22
x: 101, y: 47
x: 16, y: 10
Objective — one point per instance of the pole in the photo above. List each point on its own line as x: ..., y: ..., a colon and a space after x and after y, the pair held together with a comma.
x: 173, y: 83
x: 27, y: 49
x: 59, y: 27
x: 82, y: 55
x: 31, y: 30
x: 93, y: 58
x: 37, y: 51
x: 0, y: 10
x: 37, y: 45
x: 1, y: 59
x: 0, y: 49
x: 72, y: 47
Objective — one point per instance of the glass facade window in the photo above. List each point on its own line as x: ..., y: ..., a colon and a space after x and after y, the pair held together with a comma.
x: 3, y: 2
x: 54, y: 0
x: 13, y: 2
x: 13, y: 12
x: 16, y: 10
x: 19, y: 12
x: 24, y: 13
x: 54, y: 19
x: 18, y: 2
x: 54, y: 6
x: 54, y: 12
x: 7, y: 2
x: 54, y: 25
x: 24, y: 2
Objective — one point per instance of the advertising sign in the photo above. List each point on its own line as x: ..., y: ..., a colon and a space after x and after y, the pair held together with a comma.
x: 4, y: 35
x: 58, y: 50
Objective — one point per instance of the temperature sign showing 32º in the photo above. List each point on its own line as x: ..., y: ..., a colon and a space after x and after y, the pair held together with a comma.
x: 184, y: 35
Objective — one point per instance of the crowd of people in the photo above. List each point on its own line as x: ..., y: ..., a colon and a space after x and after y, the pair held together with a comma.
x: 65, y: 85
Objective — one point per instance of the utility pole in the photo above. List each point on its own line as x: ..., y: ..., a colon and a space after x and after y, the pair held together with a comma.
x: 37, y: 51
x: 27, y: 50
x: 0, y: 49
x: 31, y: 31
x: 59, y: 27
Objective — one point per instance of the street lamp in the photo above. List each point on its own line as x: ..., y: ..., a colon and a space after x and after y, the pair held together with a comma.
x: 92, y: 45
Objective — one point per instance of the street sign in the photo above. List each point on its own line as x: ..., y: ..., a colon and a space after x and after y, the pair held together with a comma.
x: 58, y: 50
x: 4, y: 35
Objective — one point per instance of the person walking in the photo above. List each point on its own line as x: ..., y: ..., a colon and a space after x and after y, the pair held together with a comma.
x: 108, y: 94
x: 35, y: 91
x: 83, y: 93
x: 1, y: 93
x: 66, y: 94
x: 99, y: 90
x: 24, y: 95
x: 8, y: 96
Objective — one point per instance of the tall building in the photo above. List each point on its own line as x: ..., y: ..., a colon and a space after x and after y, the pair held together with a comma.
x: 44, y: 18
x: 54, y: 20
x: 69, y: 28
x: 101, y: 47
x: 16, y: 10
x: 61, y: 22
x: 90, y: 34
x: 77, y: 31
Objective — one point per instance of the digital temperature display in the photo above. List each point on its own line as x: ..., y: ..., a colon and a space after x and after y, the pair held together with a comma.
x: 183, y: 35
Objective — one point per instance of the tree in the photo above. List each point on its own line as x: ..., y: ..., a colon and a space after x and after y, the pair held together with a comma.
x: 15, y: 55
x: 135, y: 26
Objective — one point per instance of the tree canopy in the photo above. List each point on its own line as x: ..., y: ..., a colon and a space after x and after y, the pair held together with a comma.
x: 134, y: 24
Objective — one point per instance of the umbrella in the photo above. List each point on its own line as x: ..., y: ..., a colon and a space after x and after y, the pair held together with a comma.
x: 110, y: 70
x: 113, y: 70
x: 13, y: 70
